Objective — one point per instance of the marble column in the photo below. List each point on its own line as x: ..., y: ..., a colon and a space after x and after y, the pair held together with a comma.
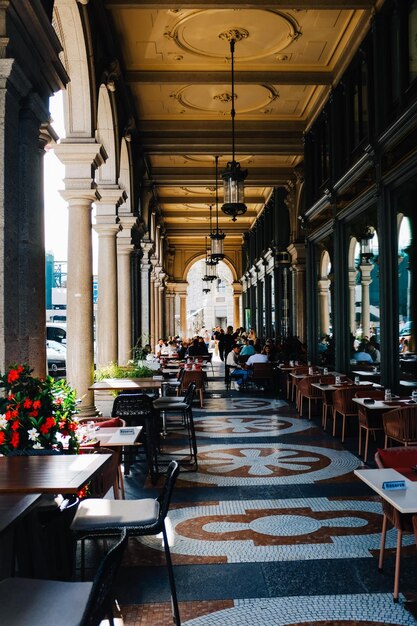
x: 124, y: 289
x: 183, y: 315
x: 145, y: 284
x: 170, y: 310
x: 237, y: 294
x: 366, y: 269
x: 323, y: 292
x: 107, y: 227
x: 297, y: 252
x: 352, y: 272
x: 153, y: 337
x: 79, y: 160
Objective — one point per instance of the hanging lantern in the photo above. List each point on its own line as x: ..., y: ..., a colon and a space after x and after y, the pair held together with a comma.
x: 217, y: 237
x: 233, y: 176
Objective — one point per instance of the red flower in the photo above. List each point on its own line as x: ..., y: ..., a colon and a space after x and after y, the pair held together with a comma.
x: 50, y: 421
x: 13, y: 375
x: 37, y: 404
x: 34, y: 413
x: 15, y: 439
x: 27, y: 403
x: 15, y: 425
x: 44, y: 429
x: 58, y: 401
x: 2, y: 437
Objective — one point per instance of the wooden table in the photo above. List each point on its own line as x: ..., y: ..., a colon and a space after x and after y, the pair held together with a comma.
x: 13, y: 506
x: 124, y: 384
x: 58, y: 473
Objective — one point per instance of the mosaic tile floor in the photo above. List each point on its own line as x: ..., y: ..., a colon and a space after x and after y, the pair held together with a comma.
x: 272, y: 530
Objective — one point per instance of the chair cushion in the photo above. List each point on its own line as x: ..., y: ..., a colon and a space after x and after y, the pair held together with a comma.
x: 172, y: 406
x: 110, y: 423
x: 31, y: 602
x: 167, y: 400
x: 398, y: 457
x: 95, y: 513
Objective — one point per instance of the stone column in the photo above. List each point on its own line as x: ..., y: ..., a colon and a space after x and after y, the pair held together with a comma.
x: 107, y: 227
x: 79, y: 159
x: 162, y: 311
x: 170, y: 310
x: 366, y: 269
x: 237, y: 294
x: 297, y: 252
x: 124, y: 289
x: 153, y: 338
x: 352, y: 272
x: 323, y: 290
x: 145, y: 278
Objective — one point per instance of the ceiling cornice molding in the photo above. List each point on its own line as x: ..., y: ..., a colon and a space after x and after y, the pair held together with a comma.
x: 255, y: 4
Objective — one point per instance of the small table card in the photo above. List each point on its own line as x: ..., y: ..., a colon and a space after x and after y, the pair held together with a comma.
x: 126, y: 431
x: 393, y: 485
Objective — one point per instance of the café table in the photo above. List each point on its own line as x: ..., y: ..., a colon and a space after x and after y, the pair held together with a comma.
x: 57, y: 473
x: 404, y: 500
x: 126, y: 384
x: 13, y: 506
x: 110, y: 437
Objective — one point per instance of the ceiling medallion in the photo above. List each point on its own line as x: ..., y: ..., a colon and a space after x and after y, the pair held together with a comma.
x: 224, y: 98
x: 236, y: 34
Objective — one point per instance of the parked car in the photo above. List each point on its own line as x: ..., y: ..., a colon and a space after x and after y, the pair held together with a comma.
x: 56, y: 331
x: 56, y: 355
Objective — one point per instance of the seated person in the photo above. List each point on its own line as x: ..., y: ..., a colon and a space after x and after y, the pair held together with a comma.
x: 197, y: 348
x: 161, y: 348
x: 257, y: 357
x: 248, y: 348
x: 236, y: 370
x: 361, y: 355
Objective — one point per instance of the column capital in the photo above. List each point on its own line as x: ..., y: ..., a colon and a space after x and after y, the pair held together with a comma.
x: 298, y: 253
x: 79, y: 196
x: 366, y: 269
x: 79, y: 157
x: 108, y: 229
x: 112, y: 196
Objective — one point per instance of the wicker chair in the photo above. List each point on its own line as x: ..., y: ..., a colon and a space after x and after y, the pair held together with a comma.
x: 293, y: 382
x: 400, y: 424
x: 400, y: 458
x: 326, y: 397
x: 369, y: 420
x: 342, y: 404
x: 306, y: 390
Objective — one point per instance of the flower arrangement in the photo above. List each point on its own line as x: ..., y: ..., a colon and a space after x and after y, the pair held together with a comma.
x: 36, y: 413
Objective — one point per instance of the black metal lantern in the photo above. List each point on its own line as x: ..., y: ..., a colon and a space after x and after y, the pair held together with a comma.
x: 217, y: 237
x: 210, y: 274
x: 366, y: 245
x: 233, y: 176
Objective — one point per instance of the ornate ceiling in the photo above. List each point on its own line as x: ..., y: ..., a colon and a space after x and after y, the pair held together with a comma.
x: 176, y: 60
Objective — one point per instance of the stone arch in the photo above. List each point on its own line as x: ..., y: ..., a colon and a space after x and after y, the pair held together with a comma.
x: 324, y: 264
x: 124, y: 175
x: 105, y: 135
x: 201, y: 255
x: 77, y: 96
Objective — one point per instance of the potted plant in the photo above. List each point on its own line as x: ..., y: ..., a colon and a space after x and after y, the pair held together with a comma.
x: 36, y: 413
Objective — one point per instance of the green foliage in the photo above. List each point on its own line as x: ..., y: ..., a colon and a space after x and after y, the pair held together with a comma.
x: 113, y: 370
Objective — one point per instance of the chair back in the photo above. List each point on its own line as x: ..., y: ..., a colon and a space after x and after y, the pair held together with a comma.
x: 100, y: 597
x: 189, y: 394
x: 376, y: 394
x: 133, y: 408
x: 262, y: 371
x: 305, y: 386
x: 196, y: 377
x: 342, y: 399
x: 164, y: 497
x: 401, y: 423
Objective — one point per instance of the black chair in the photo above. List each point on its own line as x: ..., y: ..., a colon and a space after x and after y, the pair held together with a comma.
x: 103, y: 518
x: 137, y: 410
x: 181, y: 406
x: 34, y: 602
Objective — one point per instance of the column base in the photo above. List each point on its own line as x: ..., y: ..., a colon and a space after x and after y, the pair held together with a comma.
x: 88, y: 411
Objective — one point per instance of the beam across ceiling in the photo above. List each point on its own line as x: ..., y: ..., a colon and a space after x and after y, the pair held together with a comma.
x: 289, y: 77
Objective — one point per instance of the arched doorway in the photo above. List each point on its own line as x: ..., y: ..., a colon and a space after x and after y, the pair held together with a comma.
x: 215, y: 308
